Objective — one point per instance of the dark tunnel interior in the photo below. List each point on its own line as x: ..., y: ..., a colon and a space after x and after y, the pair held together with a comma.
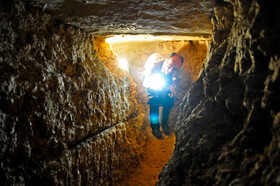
x: 72, y: 113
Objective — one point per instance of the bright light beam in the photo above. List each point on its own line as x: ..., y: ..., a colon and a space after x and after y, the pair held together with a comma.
x: 123, y: 64
x: 156, y: 81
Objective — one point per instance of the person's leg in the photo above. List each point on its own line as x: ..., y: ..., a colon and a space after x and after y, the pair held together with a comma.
x: 154, y: 116
x: 154, y: 120
x: 164, y: 121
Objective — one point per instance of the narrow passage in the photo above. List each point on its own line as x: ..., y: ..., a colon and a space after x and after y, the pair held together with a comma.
x: 157, y: 155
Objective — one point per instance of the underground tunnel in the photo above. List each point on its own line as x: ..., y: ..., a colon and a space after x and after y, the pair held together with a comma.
x: 70, y: 114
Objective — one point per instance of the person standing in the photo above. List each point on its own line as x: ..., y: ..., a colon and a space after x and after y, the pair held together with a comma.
x: 159, y: 82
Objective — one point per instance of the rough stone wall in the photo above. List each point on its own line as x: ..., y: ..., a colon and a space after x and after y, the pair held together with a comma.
x: 103, y: 17
x: 194, y: 54
x: 228, y: 127
x: 65, y: 118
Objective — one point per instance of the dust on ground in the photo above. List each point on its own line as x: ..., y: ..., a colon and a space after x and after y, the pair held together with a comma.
x: 157, y: 155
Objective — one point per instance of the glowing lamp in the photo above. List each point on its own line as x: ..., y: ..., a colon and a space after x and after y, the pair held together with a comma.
x: 157, y: 82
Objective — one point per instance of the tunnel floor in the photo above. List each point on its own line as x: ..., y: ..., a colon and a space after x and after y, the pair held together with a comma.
x: 157, y: 155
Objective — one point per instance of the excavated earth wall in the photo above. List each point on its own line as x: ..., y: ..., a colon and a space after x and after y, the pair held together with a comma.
x: 229, y: 124
x: 65, y: 118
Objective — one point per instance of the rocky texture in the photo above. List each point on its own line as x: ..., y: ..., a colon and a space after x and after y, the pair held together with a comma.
x: 66, y: 119
x: 228, y: 127
x: 67, y: 116
x: 103, y: 17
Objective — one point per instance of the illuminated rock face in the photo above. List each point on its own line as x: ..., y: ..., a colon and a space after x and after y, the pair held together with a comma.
x: 66, y: 119
x: 228, y: 128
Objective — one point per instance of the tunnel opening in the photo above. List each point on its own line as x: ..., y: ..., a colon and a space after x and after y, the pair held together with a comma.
x: 137, y: 48
x: 71, y: 115
x: 133, y: 51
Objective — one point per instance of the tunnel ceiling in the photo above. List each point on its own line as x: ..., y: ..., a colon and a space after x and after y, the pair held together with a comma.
x: 106, y: 17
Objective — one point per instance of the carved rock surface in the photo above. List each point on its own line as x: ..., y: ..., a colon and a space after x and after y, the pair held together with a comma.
x: 228, y: 127
x: 103, y: 17
x: 66, y: 119
x: 69, y: 117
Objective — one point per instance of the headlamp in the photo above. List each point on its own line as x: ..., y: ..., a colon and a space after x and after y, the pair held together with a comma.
x: 157, y: 82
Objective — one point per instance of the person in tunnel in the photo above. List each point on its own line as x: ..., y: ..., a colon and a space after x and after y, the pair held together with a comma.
x: 159, y: 80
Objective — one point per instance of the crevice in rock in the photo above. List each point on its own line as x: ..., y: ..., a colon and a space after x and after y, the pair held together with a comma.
x: 91, y: 137
x: 70, y: 115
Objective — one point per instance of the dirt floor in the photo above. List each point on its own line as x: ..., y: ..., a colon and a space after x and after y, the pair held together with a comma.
x: 157, y: 155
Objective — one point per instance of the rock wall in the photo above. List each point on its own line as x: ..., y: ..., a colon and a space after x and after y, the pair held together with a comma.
x: 228, y: 127
x: 103, y: 17
x: 65, y: 118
